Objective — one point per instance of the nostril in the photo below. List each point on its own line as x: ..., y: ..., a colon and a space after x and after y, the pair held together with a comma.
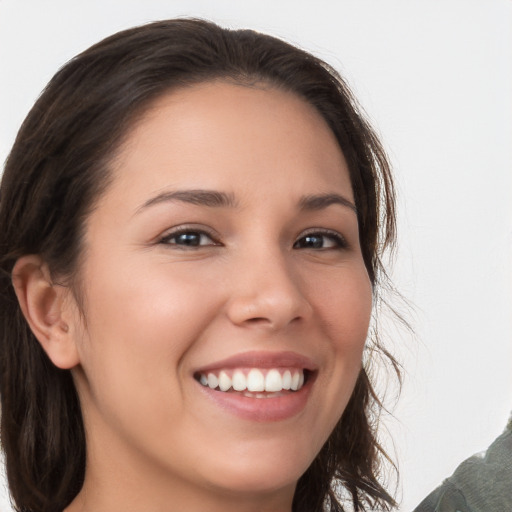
x: 261, y: 320
x: 257, y: 320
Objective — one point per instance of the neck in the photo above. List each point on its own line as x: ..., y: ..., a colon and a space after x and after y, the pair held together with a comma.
x: 117, y: 481
x: 102, y: 497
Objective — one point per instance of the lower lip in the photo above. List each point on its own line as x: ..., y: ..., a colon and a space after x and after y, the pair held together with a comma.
x: 261, y: 409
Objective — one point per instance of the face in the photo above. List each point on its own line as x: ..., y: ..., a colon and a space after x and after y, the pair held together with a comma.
x: 226, y: 299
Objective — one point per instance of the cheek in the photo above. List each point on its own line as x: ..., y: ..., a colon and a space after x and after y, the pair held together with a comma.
x: 152, y: 306
x: 344, y: 306
x: 140, y: 326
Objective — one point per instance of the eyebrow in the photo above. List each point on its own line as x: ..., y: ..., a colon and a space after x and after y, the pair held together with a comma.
x: 209, y: 198
x: 321, y: 201
x: 216, y: 199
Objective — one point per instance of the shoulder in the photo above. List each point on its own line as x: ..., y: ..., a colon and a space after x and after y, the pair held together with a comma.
x: 481, y: 483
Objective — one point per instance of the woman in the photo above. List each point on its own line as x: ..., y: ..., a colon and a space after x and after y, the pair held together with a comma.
x: 192, y: 220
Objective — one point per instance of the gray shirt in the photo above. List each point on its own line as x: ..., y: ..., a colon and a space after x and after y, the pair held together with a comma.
x: 482, y: 483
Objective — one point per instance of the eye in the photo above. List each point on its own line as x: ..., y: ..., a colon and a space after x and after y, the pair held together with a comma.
x: 321, y: 240
x: 188, y: 238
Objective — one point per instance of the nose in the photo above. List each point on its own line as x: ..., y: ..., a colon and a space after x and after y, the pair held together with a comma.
x: 267, y: 293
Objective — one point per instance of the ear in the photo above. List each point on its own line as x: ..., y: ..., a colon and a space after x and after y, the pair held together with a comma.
x: 48, y: 309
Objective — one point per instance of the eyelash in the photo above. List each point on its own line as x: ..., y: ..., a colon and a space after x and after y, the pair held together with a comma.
x: 166, y: 239
x: 337, y: 239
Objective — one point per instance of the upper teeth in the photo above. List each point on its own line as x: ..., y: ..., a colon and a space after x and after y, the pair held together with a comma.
x: 254, y: 380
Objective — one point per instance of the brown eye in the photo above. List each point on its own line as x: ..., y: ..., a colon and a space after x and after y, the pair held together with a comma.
x: 320, y: 241
x: 188, y: 238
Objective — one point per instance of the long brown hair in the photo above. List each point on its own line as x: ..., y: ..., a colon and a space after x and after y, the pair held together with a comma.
x: 57, y: 169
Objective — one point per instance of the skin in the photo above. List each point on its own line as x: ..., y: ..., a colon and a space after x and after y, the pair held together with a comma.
x: 155, y: 311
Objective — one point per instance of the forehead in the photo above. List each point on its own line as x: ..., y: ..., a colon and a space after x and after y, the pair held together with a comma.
x: 222, y: 135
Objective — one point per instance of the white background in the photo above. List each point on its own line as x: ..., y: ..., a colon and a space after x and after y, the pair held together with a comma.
x: 435, y: 77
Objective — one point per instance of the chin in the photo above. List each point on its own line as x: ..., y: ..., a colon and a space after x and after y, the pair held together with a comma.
x: 261, y: 475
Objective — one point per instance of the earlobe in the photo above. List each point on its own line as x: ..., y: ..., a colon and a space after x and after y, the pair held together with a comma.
x: 46, y: 307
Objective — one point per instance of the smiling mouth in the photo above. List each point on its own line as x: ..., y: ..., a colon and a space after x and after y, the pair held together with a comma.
x: 255, y: 382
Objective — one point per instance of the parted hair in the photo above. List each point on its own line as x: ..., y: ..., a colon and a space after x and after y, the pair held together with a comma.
x: 58, y: 168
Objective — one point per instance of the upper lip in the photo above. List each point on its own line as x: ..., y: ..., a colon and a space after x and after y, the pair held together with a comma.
x: 255, y: 359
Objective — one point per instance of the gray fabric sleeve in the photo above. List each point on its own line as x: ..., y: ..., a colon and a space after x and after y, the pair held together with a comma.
x: 482, y: 483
